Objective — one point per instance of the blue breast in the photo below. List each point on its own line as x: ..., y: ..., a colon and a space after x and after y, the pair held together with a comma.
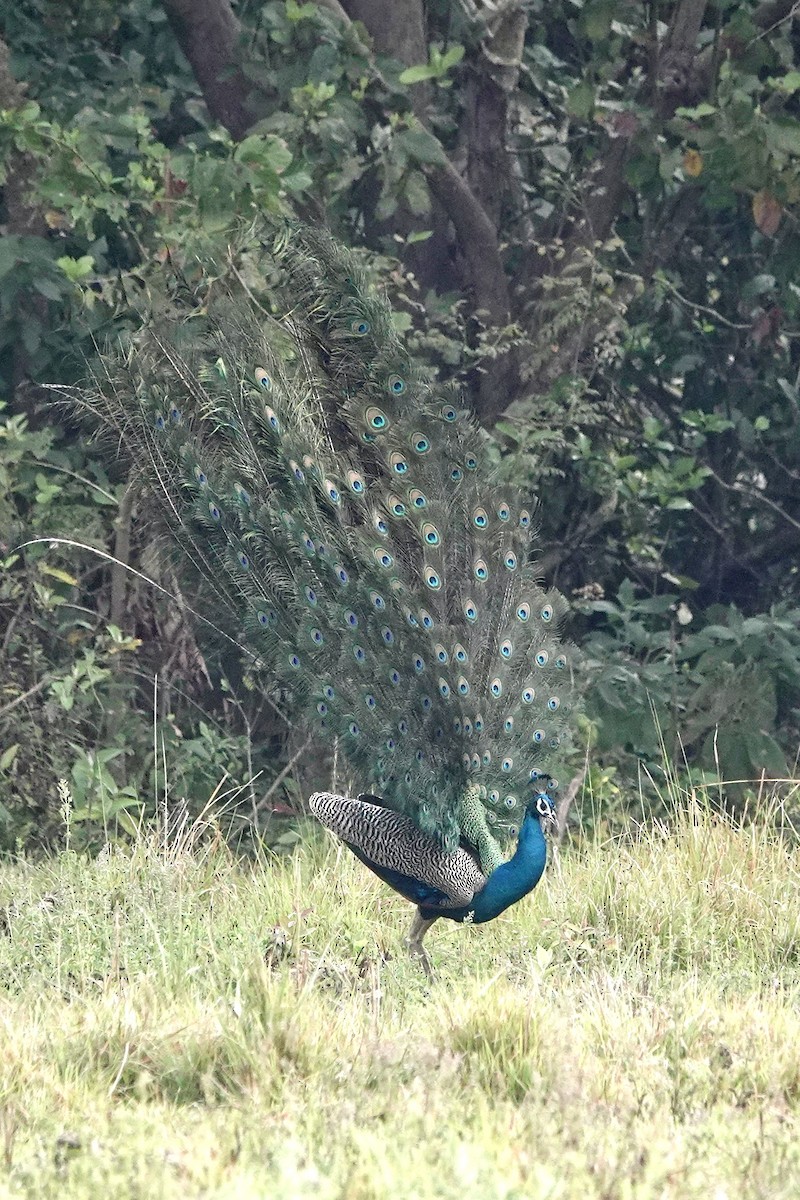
x: 507, y: 884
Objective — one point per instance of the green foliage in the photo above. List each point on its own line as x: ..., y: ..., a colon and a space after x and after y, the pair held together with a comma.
x: 72, y: 705
x: 666, y: 452
x: 725, y: 695
x: 438, y: 67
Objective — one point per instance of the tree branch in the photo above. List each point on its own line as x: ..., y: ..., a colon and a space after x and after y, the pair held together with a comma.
x: 495, y: 78
x: 209, y: 35
x: 606, y: 187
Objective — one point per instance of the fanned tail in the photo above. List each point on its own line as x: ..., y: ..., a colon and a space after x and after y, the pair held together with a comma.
x: 338, y: 503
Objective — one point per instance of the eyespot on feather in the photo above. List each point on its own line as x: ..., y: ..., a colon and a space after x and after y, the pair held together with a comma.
x: 376, y: 418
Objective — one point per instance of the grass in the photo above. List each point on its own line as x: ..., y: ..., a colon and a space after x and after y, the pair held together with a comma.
x: 179, y: 1024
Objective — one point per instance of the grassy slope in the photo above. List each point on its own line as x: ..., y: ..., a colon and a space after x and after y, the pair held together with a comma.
x: 632, y: 1030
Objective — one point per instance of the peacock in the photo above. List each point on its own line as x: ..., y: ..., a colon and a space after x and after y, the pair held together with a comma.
x: 339, y: 504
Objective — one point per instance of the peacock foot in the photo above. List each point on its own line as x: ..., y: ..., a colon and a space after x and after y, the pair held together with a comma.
x: 419, y: 928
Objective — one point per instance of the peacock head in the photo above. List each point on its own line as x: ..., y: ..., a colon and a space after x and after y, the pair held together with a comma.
x: 541, y: 805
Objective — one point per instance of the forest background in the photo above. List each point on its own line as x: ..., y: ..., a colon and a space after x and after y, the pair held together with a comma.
x: 583, y: 212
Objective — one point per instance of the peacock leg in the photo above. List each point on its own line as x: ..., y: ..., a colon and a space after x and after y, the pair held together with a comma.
x: 419, y: 928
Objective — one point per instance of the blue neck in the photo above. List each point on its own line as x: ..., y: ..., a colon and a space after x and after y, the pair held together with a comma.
x: 512, y: 880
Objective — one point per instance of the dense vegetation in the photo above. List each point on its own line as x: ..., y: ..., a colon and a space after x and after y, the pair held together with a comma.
x: 584, y: 211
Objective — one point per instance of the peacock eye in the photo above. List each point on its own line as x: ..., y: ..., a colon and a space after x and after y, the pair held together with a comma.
x: 543, y: 806
x: 376, y: 418
x: 263, y: 379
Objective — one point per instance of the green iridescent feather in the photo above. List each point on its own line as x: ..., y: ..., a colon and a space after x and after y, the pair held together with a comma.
x: 338, y: 502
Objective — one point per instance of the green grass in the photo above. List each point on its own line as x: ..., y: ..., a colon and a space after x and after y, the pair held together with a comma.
x: 181, y: 1024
